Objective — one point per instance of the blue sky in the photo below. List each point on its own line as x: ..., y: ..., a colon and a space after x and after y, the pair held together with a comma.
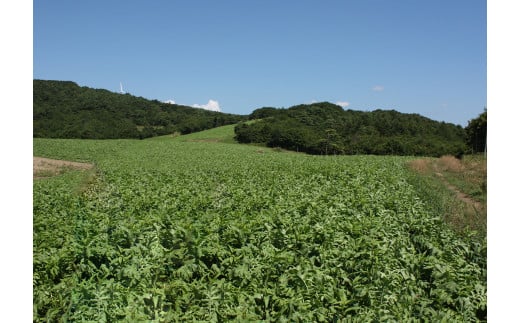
x: 426, y: 57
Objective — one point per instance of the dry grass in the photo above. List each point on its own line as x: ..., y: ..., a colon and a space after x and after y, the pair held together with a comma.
x: 450, y: 164
x: 421, y: 166
x: 45, y: 167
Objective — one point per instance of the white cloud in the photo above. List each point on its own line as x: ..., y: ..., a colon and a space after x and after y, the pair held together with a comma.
x: 170, y: 101
x: 378, y: 88
x: 212, y: 105
x: 343, y: 104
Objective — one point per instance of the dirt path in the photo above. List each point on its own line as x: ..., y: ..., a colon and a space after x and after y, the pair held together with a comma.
x: 460, y: 195
x: 463, y: 212
x: 46, y: 167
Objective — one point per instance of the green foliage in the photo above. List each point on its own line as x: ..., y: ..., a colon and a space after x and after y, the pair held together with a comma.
x: 174, y: 230
x: 264, y: 112
x: 325, y: 128
x: 62, y: 109
x: 476, y: 133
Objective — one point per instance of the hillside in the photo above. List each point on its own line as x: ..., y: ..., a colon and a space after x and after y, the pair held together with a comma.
x: 62, y: 109
x: 325, y: 128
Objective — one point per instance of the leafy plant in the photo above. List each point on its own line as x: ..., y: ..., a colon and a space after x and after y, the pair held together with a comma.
x: 176, y: 230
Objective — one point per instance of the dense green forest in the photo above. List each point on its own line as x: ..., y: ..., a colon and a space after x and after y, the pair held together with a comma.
x: 476, y: 133
x: 325, y: 128
x: 62, y: 109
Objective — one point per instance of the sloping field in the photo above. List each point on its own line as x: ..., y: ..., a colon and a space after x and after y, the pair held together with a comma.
x: 193, y: 229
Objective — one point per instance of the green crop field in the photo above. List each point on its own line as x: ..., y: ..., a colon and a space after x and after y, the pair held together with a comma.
x: 196, y: 228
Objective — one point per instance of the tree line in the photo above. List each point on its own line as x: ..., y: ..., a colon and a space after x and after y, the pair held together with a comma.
x: 476, y: 133
x: 62, y: 109
x: 325, y: 128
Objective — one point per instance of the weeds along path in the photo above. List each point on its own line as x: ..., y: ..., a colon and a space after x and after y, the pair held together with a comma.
x: 465, y: 181
x: 461, y: 196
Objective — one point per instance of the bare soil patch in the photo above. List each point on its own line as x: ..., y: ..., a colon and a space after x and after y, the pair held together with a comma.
x: 203, y: 140
x: 46, y: 167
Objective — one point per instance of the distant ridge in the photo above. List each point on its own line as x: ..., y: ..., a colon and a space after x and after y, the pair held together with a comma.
x: 326, y: 129
x: 63, y: 109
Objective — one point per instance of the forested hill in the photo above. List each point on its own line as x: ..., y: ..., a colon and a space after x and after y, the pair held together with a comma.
x: 325, y: 128
x: 62, y: 109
